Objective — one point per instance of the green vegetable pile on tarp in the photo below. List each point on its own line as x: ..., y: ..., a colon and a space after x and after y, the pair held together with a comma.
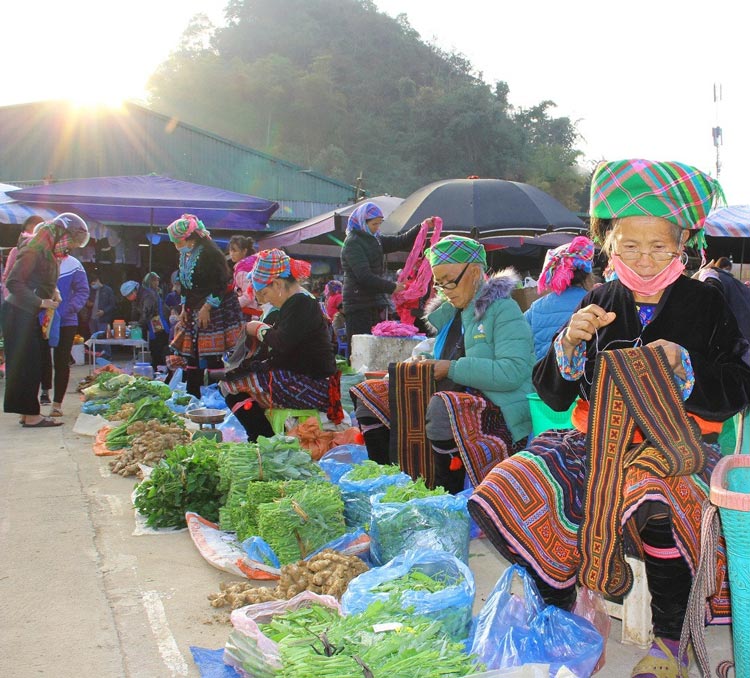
x: 275, y: 458
x: 106, y: 385
x: 430, y: 521
x: 187, y: 479
x: 299, y: 524
x: 135, y: 390
x: 147, y: 408
x: 244, y: 516
x: 316, y: 641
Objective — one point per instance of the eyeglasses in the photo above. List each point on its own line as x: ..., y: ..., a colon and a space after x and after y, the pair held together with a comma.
x: 633, y: 254
x: 451, y: 284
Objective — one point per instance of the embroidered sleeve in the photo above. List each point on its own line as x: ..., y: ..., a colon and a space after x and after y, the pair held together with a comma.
x: 686, y: 385
x: 570, y: 369
x: 213, y: 301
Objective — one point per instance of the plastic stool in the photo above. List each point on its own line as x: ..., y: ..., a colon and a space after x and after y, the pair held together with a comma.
x: 635, y: 610
x: 277, y: 417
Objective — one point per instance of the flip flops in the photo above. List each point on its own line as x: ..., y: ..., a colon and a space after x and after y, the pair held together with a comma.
x: 44, y: 422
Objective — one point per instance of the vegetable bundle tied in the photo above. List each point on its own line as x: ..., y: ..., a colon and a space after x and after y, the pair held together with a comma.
x: 150, y: 407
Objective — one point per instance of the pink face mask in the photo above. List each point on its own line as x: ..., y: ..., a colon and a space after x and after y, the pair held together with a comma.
x: 652, y: 286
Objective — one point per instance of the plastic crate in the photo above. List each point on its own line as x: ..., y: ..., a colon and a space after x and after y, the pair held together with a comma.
x: 544, y: 418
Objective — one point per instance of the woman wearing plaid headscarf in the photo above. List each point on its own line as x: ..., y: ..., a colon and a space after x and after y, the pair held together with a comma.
x: 547, y: 507
x: 566, y: 273
x: 482, y: 361
x: 290, y: 364
x: 211, y: 320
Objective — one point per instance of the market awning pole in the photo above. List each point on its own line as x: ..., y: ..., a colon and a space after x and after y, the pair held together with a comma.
x: 742, y: 257
x: 150, y: 240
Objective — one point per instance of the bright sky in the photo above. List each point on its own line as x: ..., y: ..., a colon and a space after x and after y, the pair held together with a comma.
x: 637, y: 76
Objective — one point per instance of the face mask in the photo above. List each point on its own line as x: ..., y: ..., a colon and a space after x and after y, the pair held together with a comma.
x: 652, y: 286
x: 95, y: 286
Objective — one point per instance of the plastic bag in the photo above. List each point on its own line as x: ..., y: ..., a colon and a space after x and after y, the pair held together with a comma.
x: 439, y: 522
x: 232, y: 431
x: 181, y: 407
x: 212, y: 398
x: 339, y: 460
x: 356, y: 543
x: 176, y: 380
x: 590, y: 605
x: 424, y: 348
x: 356, y: 495
x: 513, y: 631
x: 451, y: 606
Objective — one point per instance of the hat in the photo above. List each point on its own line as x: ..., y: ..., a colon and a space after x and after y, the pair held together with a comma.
x: 149, y: 277
x: 671, y: 190
x: 456, y: 249
x: 272, y: 264
x: 128, y: 287
x: 560, y: 264
x: 361, y: 215
x: 70, y: 225
x: 185, y: 226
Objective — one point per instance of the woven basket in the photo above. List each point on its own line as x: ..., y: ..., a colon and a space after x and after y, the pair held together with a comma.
x: 544, y: 418
x: 730, y: 491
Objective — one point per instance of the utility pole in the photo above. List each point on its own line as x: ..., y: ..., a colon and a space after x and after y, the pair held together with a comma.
x: 716, y: 131
x: 358, y: 190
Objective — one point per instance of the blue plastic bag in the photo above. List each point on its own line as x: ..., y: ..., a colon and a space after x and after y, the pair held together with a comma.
x: 510, y: 631
x: 439, y: 522
x: 450, y: 606
x: 171, y: 403
x: 260, y: 551
x: 356, y: 543
x: 232, y: 431
x: 356, y: 495
x: 212, y: 398
x: 338, y: 460
x: 475, y: 531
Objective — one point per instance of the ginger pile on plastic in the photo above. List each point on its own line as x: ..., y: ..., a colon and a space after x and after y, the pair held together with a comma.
x: 328, y: 573
x: 151, y: 441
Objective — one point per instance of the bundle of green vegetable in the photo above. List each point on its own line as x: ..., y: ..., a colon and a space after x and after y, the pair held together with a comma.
x: 187, y: 479
x: 244, y: 516
x: 320, y: 643
x: 106, y: 385
x: 147, y: 408
x: 418, y: 518
x: 369, y: 469
x: 297, y: 525
x: 137, y: 389
x: 276, y: 458
x: 413, y: 580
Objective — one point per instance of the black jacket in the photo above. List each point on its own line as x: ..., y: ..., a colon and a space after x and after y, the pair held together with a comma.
x: 691, y: 314
x: 362, y: 261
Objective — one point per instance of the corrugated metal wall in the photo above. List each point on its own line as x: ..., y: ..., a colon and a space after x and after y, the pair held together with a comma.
x: 54, y: 139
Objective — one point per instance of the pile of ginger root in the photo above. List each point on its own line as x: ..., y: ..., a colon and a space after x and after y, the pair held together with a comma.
x: 328, y: 573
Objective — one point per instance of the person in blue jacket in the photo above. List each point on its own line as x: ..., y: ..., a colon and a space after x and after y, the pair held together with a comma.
x: 567, y: 274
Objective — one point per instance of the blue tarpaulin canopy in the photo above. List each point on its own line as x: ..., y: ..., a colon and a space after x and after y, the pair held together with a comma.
x: 151, y: 201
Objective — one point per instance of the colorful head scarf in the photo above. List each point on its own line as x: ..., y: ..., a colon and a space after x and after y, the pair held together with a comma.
x: 272, y: 264
x: 671, y: 190
x: 185, y: 226
x: 560, y: 264
x: 67, y: 231
x: 333, y: 287
x: 361, y: 215
x: 456, y: 249
x: 128, y: 287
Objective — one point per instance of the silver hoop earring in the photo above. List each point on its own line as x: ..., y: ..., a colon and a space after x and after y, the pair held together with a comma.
x: 684, y: 258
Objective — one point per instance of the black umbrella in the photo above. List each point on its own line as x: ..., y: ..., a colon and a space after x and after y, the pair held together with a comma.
x: 493, y: 207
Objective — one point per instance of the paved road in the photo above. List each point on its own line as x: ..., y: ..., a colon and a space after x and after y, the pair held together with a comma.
x: 82, y: 597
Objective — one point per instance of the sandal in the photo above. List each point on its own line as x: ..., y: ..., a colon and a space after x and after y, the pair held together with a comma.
x: 660, y: 662
x: 44, y: 422
x: 55, y: 412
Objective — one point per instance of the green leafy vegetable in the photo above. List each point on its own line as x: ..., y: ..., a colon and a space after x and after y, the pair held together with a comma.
x: 414, y: 489
x: 369, y: 469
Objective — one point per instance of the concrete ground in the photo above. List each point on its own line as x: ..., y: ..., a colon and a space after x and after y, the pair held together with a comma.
x: 81, y: 597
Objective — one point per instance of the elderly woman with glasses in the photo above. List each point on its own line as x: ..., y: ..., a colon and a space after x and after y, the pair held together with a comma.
x: 570, y: 507
x: 482, y: 360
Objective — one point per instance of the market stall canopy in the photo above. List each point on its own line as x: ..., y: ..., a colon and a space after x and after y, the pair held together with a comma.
x: 151, y: 200
x: 484, y: 208
x: 13, y: 212
x: 729, y: 222
x: 326, y: 223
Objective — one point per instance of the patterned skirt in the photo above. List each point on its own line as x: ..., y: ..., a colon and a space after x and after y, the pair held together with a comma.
x: 478, y: 426
x: 530, y: 506
x: 281, y: 388
x: 224, y: 328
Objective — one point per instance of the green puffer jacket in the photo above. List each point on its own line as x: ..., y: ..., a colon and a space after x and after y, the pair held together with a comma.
x: 499, y: 349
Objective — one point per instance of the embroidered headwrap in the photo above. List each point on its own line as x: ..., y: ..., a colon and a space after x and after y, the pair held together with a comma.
x: 272, y: 264
x: 671, y: 190
x: 361, y: 215
x: 560, y: 264
x: 67, y: 231
x: 185, y: 226
x: 456, y: 249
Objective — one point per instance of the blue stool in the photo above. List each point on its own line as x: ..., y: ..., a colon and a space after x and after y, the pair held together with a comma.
x: 277, y: 417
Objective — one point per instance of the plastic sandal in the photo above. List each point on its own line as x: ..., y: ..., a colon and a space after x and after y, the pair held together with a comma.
x: 660, y: 662
x: 44, y: 422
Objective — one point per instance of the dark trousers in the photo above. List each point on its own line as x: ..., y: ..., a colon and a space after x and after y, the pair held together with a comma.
x: 46, y: 358
x: 23, y: 370
x: 61, y: 361
x: 195, y: 376
x: 253, y: 420
x: 159, y: 348
x: 361, y: 321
